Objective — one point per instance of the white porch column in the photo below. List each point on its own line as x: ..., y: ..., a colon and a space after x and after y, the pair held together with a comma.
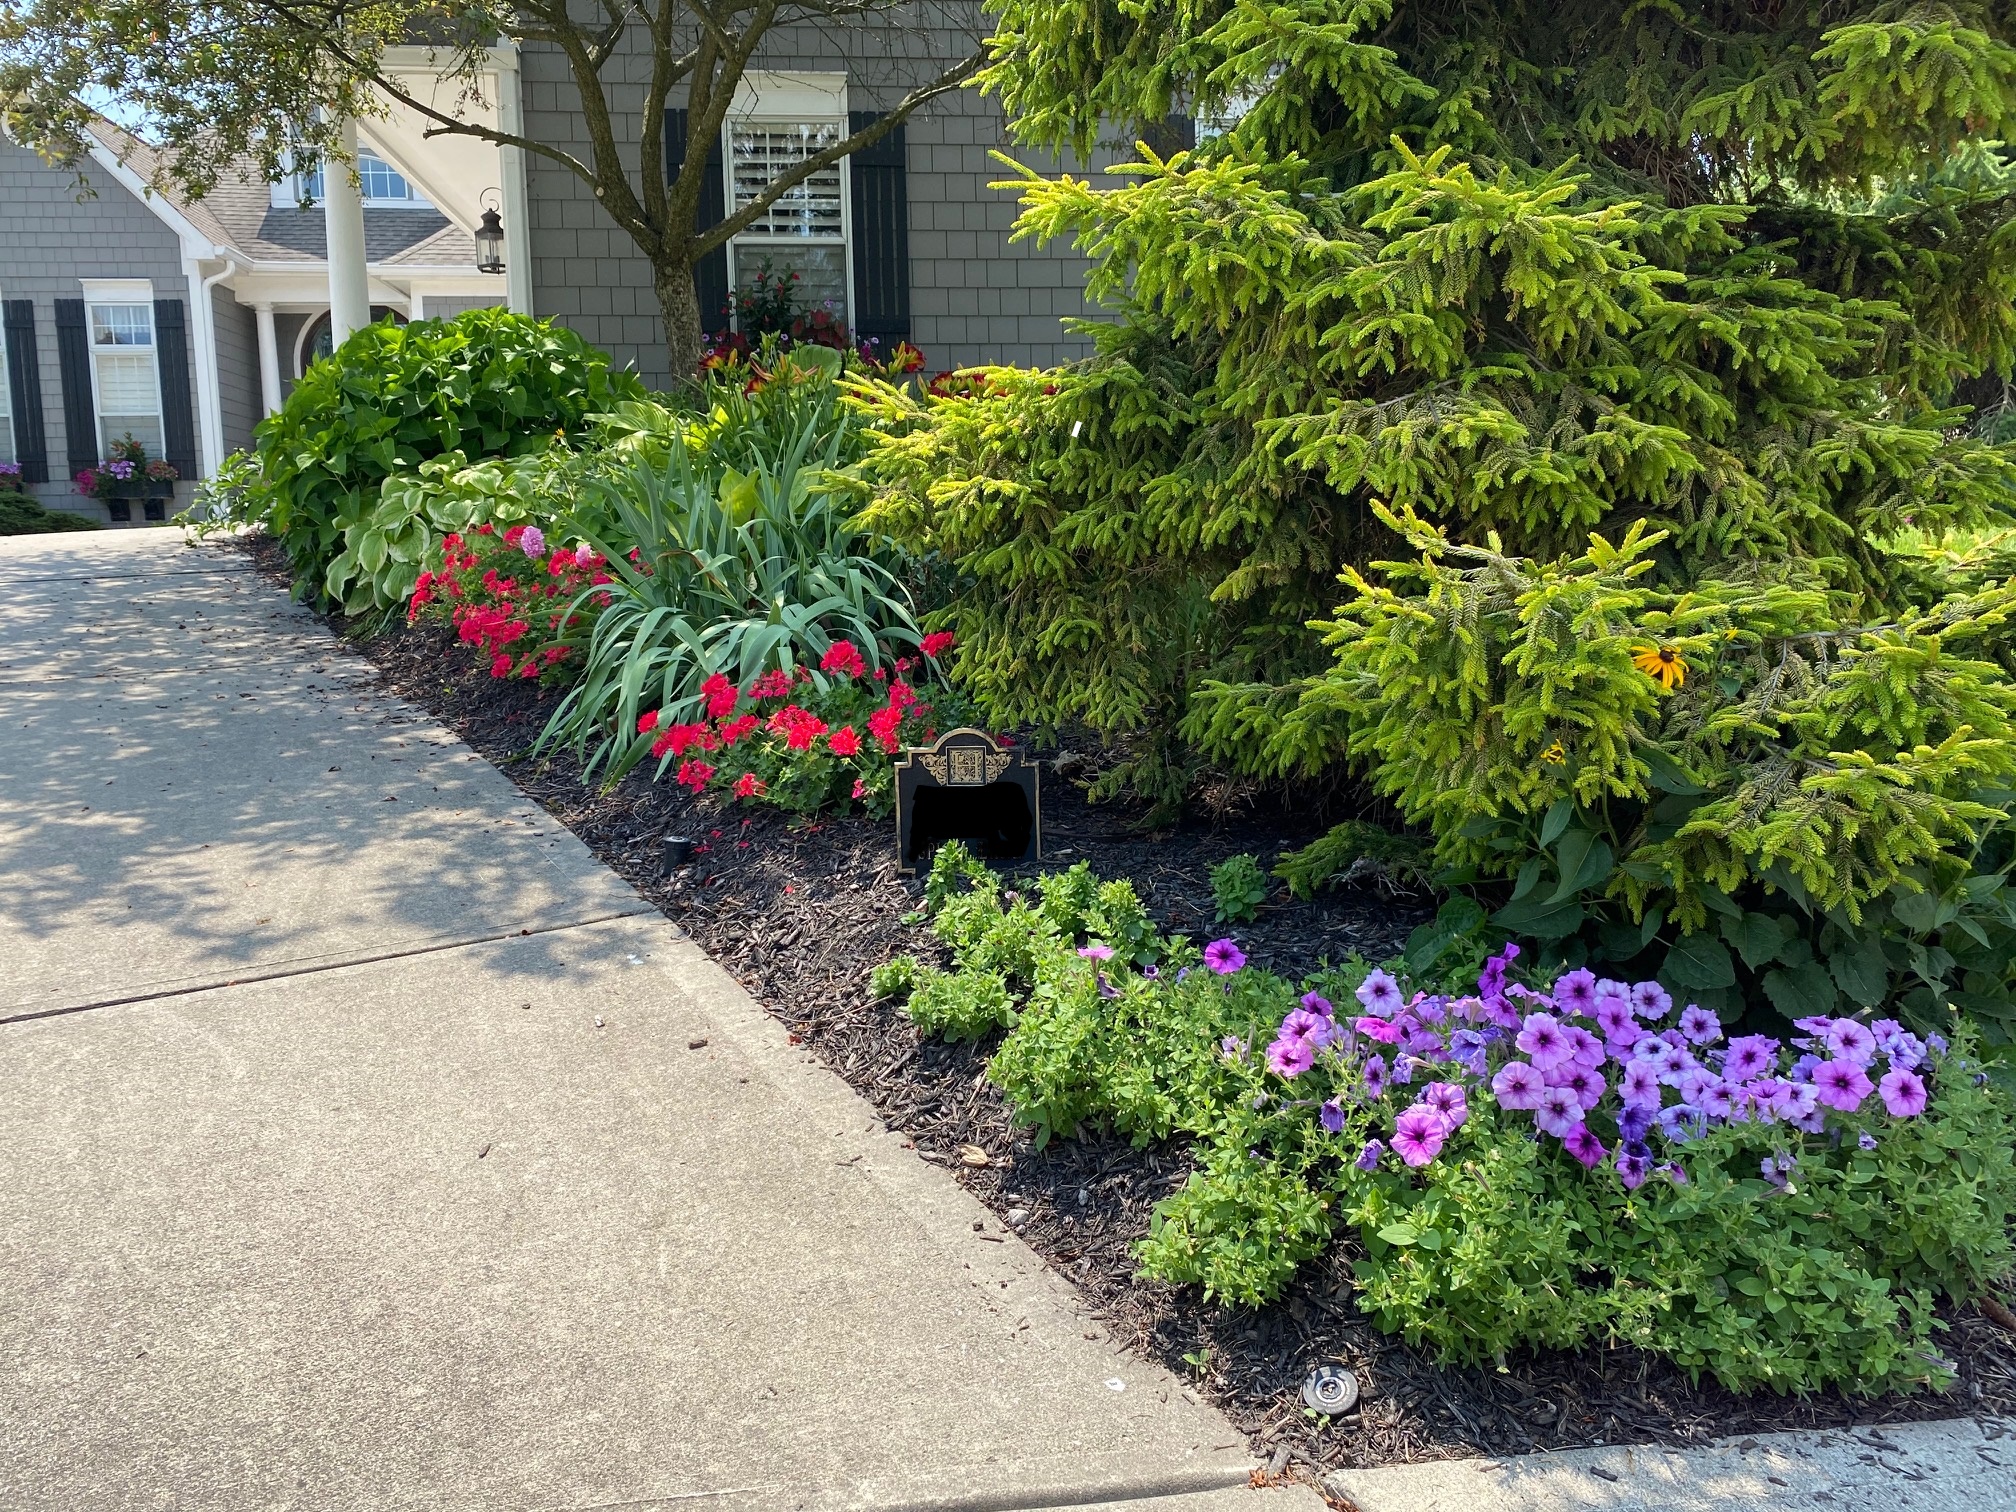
x: 416, y: 305
x: 343, y: 218
x: 269, y: 359
x: 517, y: 214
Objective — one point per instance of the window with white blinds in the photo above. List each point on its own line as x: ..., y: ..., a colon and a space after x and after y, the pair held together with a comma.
x: 124, y: 376
x: 804, y: 231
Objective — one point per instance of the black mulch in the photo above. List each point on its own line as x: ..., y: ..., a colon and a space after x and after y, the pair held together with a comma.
x: 799, y: 914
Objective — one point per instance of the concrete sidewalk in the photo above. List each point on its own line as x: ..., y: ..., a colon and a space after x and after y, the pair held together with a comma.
x: 368, y: 1144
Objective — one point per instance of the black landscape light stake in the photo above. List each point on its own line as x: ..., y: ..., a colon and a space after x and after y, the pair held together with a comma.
x: 967, y: 786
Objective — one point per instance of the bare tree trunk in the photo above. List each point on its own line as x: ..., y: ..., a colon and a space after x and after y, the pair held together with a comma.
x: 679, y: 308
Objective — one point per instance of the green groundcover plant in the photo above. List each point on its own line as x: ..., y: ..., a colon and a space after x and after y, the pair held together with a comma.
x: 1622, y: 365
x: 22, y: 515
x: 486, y: 384
x: 1559, y: 1164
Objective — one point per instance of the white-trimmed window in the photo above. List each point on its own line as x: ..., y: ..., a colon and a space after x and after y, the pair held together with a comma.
x: 383, y: 186
x: 777, y: 122
x: 125, y: 372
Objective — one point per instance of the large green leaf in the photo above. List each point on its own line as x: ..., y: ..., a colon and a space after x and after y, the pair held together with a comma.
x: 1698, y: 960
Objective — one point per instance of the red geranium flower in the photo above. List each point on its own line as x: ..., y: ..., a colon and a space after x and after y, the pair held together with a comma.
x: 843, y: 657
x: 938, y: 643
x: 694, y: 774
x: 646, y: 723
x: 844, y: 741
x: 721, y: 696
x: 748, y: 785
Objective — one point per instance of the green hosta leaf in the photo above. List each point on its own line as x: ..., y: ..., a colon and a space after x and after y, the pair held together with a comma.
x: 1699, y: 960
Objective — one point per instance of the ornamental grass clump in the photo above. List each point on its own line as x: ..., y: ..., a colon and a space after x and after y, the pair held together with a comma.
x: 1513, y: 1164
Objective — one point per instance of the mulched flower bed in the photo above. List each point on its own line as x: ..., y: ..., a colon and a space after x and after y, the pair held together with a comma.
x: 800, y: 914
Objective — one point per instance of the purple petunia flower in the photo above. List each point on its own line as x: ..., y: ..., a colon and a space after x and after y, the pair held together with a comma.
x: 1866, y: 1140
x: 1544, y: 1040
x: 1096, y: 952
x: 1587, y: 1085
x: 1385, y: 1032
x: 1818, y: 1023
x: 1619, y: 1024
x: 1633, y: 1169
x: 1692, y: 1082
x: 1842, y: 1084
x: 1903, y: 1092
x: 1906, y: 1051
x: 1404, y: 1067
x: 1106, y: 988
x: 1804, y: 1067
x: 1466, y: 1049
x: 1224, y: 957
x: 1151, y: 973
x: 1584, y: 1146
x: 1674, y: 1174
x: 1447, y: 1099
x: 1654, y: 1052
x: 1682, y: 1122
x: 1315, y: 1002
x: 1518, y: 1085
x: 1368, y: 1158
x: 1379, y: 993
x: 1651, y: 1001
x: 1331, y: 1115
x: 1302, y: 1024
x: 1558, y: 1112
x: 1936, y: 1043
x: 1290, y: 1057
x: 1575, y: 991
x: 1719, y: 1100
x: 1639, y: 1085
x: 1375, y: 1075
x: 1418, y: 1134
x: 1633, y: 1122
x: 1699, y: 1025
x: 1584, y: 1048
x: 1850, y: 1041
x: 1750, y: 1056
x: 1232, y: 1048
x: 1779, y: 1169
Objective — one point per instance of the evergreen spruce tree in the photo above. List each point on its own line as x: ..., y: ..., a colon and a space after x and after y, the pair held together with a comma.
x: 1574, y: 420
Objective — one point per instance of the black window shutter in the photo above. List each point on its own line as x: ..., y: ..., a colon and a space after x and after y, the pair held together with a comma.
x: 24, y: 390
x: 710, y: 275
x: 73, y: 366
x: 881, y: 236
x: 171, y: 356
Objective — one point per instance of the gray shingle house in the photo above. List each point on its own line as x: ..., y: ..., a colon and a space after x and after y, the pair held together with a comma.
x: 129, y: 312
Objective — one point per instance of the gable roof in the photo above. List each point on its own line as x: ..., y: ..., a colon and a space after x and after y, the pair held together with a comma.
x: 239, y: 213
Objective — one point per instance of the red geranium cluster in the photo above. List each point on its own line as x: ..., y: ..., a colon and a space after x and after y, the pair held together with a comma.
x: 507, y: 595
x: 803, y: 742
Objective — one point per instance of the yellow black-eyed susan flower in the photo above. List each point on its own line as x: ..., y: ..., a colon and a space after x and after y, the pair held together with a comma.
x: 1662, y: 663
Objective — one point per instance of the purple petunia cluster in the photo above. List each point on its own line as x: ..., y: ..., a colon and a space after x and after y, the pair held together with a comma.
x: 1588, y: 1043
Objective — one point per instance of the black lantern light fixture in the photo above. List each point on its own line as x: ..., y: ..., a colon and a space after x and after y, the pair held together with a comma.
x: 490, y: 243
